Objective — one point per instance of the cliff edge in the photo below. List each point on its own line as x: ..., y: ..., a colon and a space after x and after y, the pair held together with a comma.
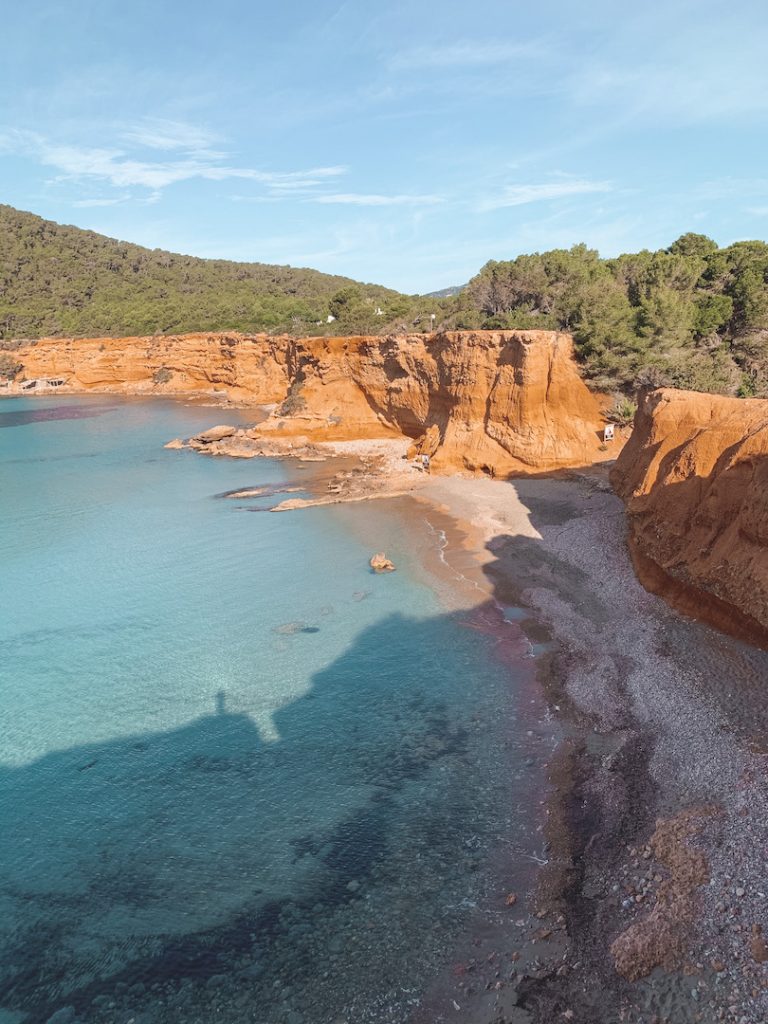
x: 499, y: 402
x: 694, y: 477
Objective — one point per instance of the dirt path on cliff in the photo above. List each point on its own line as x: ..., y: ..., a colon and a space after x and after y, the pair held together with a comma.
x: 659, y: 815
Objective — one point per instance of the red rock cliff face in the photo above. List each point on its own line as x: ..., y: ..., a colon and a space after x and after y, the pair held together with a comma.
x: 248, y: 368
x: 502, y: 401
x: 694, y: 476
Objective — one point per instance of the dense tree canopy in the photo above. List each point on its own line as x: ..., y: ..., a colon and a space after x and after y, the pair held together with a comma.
x: 692, y: 316
x: 57, y: 280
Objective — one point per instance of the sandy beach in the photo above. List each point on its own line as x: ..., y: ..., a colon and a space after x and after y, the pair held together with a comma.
x: 658, y: 813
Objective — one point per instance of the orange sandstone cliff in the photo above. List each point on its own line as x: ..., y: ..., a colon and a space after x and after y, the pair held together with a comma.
x: 242, y: 368
x: 694, y: 476
x: 493, y: 401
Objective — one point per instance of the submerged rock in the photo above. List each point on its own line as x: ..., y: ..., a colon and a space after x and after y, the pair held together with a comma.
x: 290, y: 628
x: 380, y: 563
x: 63, y: 1016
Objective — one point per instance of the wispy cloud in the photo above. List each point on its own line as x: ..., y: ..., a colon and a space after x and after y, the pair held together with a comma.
x: 465, y: 54
x: 374, y: 199
x: 160, y: 133
x: 118, y: 168
x: 519, y: 195
x: 84, y: 203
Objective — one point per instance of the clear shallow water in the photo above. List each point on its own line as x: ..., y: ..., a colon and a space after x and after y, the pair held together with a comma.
x: 240, y: 776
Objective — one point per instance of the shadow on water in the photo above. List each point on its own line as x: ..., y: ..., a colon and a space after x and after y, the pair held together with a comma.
x: 22, y: 417
x: 206, y: 858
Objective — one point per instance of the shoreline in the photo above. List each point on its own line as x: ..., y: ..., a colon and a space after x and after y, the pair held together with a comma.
x: 655, y: 766
x: 507, y: 935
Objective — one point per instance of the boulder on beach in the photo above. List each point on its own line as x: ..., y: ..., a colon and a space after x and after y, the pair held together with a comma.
x: 380, y: 563
x: 427, y: 444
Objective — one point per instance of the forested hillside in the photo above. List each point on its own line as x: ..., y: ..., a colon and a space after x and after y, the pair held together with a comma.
x: 57, y: 280
x: 691, y: 316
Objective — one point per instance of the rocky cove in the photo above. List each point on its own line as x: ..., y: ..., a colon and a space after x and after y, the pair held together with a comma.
x: 651, y: 903
x: 502, y: 401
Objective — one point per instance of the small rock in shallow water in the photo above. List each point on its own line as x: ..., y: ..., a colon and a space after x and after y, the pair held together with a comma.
x: 380, y: 563
x: 289, y: 628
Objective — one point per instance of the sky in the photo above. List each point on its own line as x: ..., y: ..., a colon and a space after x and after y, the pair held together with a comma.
x: 403, y: 143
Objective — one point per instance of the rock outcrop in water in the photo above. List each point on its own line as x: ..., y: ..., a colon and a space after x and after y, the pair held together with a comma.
x: 694, y: 476
x: 500, y: 402
x: 380, y: 563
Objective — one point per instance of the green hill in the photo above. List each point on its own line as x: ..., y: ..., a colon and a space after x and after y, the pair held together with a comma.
x: 60, y: 280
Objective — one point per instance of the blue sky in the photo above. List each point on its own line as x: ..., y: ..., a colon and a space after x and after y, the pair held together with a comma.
x: 402, y: 143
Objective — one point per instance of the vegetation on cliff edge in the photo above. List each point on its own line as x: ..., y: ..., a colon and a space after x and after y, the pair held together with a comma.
x: 690, y: 316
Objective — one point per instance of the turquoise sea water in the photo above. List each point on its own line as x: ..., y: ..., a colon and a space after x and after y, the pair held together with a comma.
x: 241, y: 777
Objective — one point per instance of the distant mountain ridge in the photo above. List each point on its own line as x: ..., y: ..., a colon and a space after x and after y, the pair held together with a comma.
x: 65, y: 281
x: 446, y: 293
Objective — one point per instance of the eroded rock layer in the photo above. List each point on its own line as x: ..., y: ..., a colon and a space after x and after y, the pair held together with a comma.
x: 694, y: 476
x: 499, y: 401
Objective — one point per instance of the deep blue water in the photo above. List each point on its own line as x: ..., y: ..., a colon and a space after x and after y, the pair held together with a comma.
x: 241, y: 777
